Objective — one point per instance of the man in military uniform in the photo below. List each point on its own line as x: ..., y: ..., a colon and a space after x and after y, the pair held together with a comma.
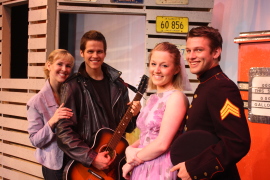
x: 217, y: 108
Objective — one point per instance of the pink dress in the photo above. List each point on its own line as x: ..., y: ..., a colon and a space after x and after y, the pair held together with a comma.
x: 149, y: 122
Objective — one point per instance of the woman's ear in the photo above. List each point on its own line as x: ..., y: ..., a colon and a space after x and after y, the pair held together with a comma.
x: 48, y: 65
x: 177, y: 70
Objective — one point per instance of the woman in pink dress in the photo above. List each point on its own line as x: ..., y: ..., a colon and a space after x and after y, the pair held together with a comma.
x: 161, y: 120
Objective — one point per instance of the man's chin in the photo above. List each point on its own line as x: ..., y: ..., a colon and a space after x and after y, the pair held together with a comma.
x: 194, y: 71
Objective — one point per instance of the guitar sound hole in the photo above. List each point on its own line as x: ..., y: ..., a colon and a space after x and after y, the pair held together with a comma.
x: 111, y: 151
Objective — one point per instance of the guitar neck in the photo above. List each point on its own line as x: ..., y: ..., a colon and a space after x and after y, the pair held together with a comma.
x: 120, y: 130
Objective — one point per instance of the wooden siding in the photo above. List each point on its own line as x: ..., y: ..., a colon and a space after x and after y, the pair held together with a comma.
x: 16, y: 152
x: 17, y: 159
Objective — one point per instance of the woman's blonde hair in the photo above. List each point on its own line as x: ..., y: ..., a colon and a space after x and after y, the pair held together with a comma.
x: 55, y: 55
x: 174, y: 51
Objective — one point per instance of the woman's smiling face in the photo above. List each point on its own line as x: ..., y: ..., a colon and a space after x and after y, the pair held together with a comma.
x: 162, y: 70
x: 60, y: 69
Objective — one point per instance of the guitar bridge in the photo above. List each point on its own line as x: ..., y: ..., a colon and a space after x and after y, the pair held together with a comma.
x: 95, y: 174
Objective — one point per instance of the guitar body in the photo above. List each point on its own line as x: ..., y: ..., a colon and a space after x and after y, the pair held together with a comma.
x: 107, y: 140
x: 76, y: 171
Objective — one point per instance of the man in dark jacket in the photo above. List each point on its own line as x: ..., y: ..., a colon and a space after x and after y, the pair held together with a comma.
x: 98, y: 99
x: 216, y: 108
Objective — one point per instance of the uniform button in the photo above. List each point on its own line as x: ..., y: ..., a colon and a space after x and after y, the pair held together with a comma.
x: 187, y: 117
x: 205, y: 173
x: 195, y: 177
x: 216, y: 167
x: 195, y: 95
x: 190, y: 106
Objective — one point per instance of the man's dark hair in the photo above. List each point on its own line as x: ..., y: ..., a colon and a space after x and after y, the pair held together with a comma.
x: 94, y: 36
x: 210, y: 33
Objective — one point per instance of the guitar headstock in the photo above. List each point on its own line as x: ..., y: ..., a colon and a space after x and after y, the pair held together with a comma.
x: 143, y: 84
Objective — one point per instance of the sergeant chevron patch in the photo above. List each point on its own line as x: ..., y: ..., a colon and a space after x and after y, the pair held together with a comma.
x: 229, y: 108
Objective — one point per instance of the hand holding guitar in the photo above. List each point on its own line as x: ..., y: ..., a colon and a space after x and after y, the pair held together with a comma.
x: 135, y: 107
x: 102, y: 160
x: 183, y: 174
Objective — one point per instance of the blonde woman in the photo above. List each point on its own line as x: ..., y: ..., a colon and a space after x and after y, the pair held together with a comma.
x: 44, y: 111
x: 162, y: 119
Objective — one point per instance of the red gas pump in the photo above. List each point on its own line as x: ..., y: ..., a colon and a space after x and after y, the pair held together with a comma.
x: 254, y: 85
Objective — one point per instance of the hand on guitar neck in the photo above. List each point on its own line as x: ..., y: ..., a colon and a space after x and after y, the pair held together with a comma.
x: 135, y: 107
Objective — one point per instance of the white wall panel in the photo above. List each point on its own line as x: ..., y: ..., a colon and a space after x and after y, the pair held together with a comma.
x: 37, y: 15
x: 13, y: 174
x: 37, y: 3
x: 151, y: 42
x: 36, y: 71
x: 15, y: 137
x: 1, y: 21
x: 13, y: 123
x: 15, y: 96
x: 14, y: 110
x: 22, y: 83
x: 22, y: 152
x: 36, y: 57
x: 85, y: 9
x: 37, y: 43
x: 36, y: 29
x: 23, y: 166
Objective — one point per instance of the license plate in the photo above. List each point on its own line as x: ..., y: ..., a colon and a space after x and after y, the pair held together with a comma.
x: 168, y: 24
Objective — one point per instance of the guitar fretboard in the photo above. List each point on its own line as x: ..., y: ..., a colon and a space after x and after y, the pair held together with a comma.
x: 120, y: 130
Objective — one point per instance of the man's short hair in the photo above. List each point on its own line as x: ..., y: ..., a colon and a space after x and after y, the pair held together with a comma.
x: 210, y: 33
x: 94, y: 36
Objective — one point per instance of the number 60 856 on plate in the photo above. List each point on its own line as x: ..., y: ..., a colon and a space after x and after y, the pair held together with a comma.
x: 169, y: 24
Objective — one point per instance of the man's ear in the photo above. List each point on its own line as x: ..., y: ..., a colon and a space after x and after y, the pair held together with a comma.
x: 217, y: 52
x: 81, y: 53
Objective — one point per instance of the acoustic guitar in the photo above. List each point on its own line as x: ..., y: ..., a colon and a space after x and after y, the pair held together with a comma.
x: 107, y: 139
